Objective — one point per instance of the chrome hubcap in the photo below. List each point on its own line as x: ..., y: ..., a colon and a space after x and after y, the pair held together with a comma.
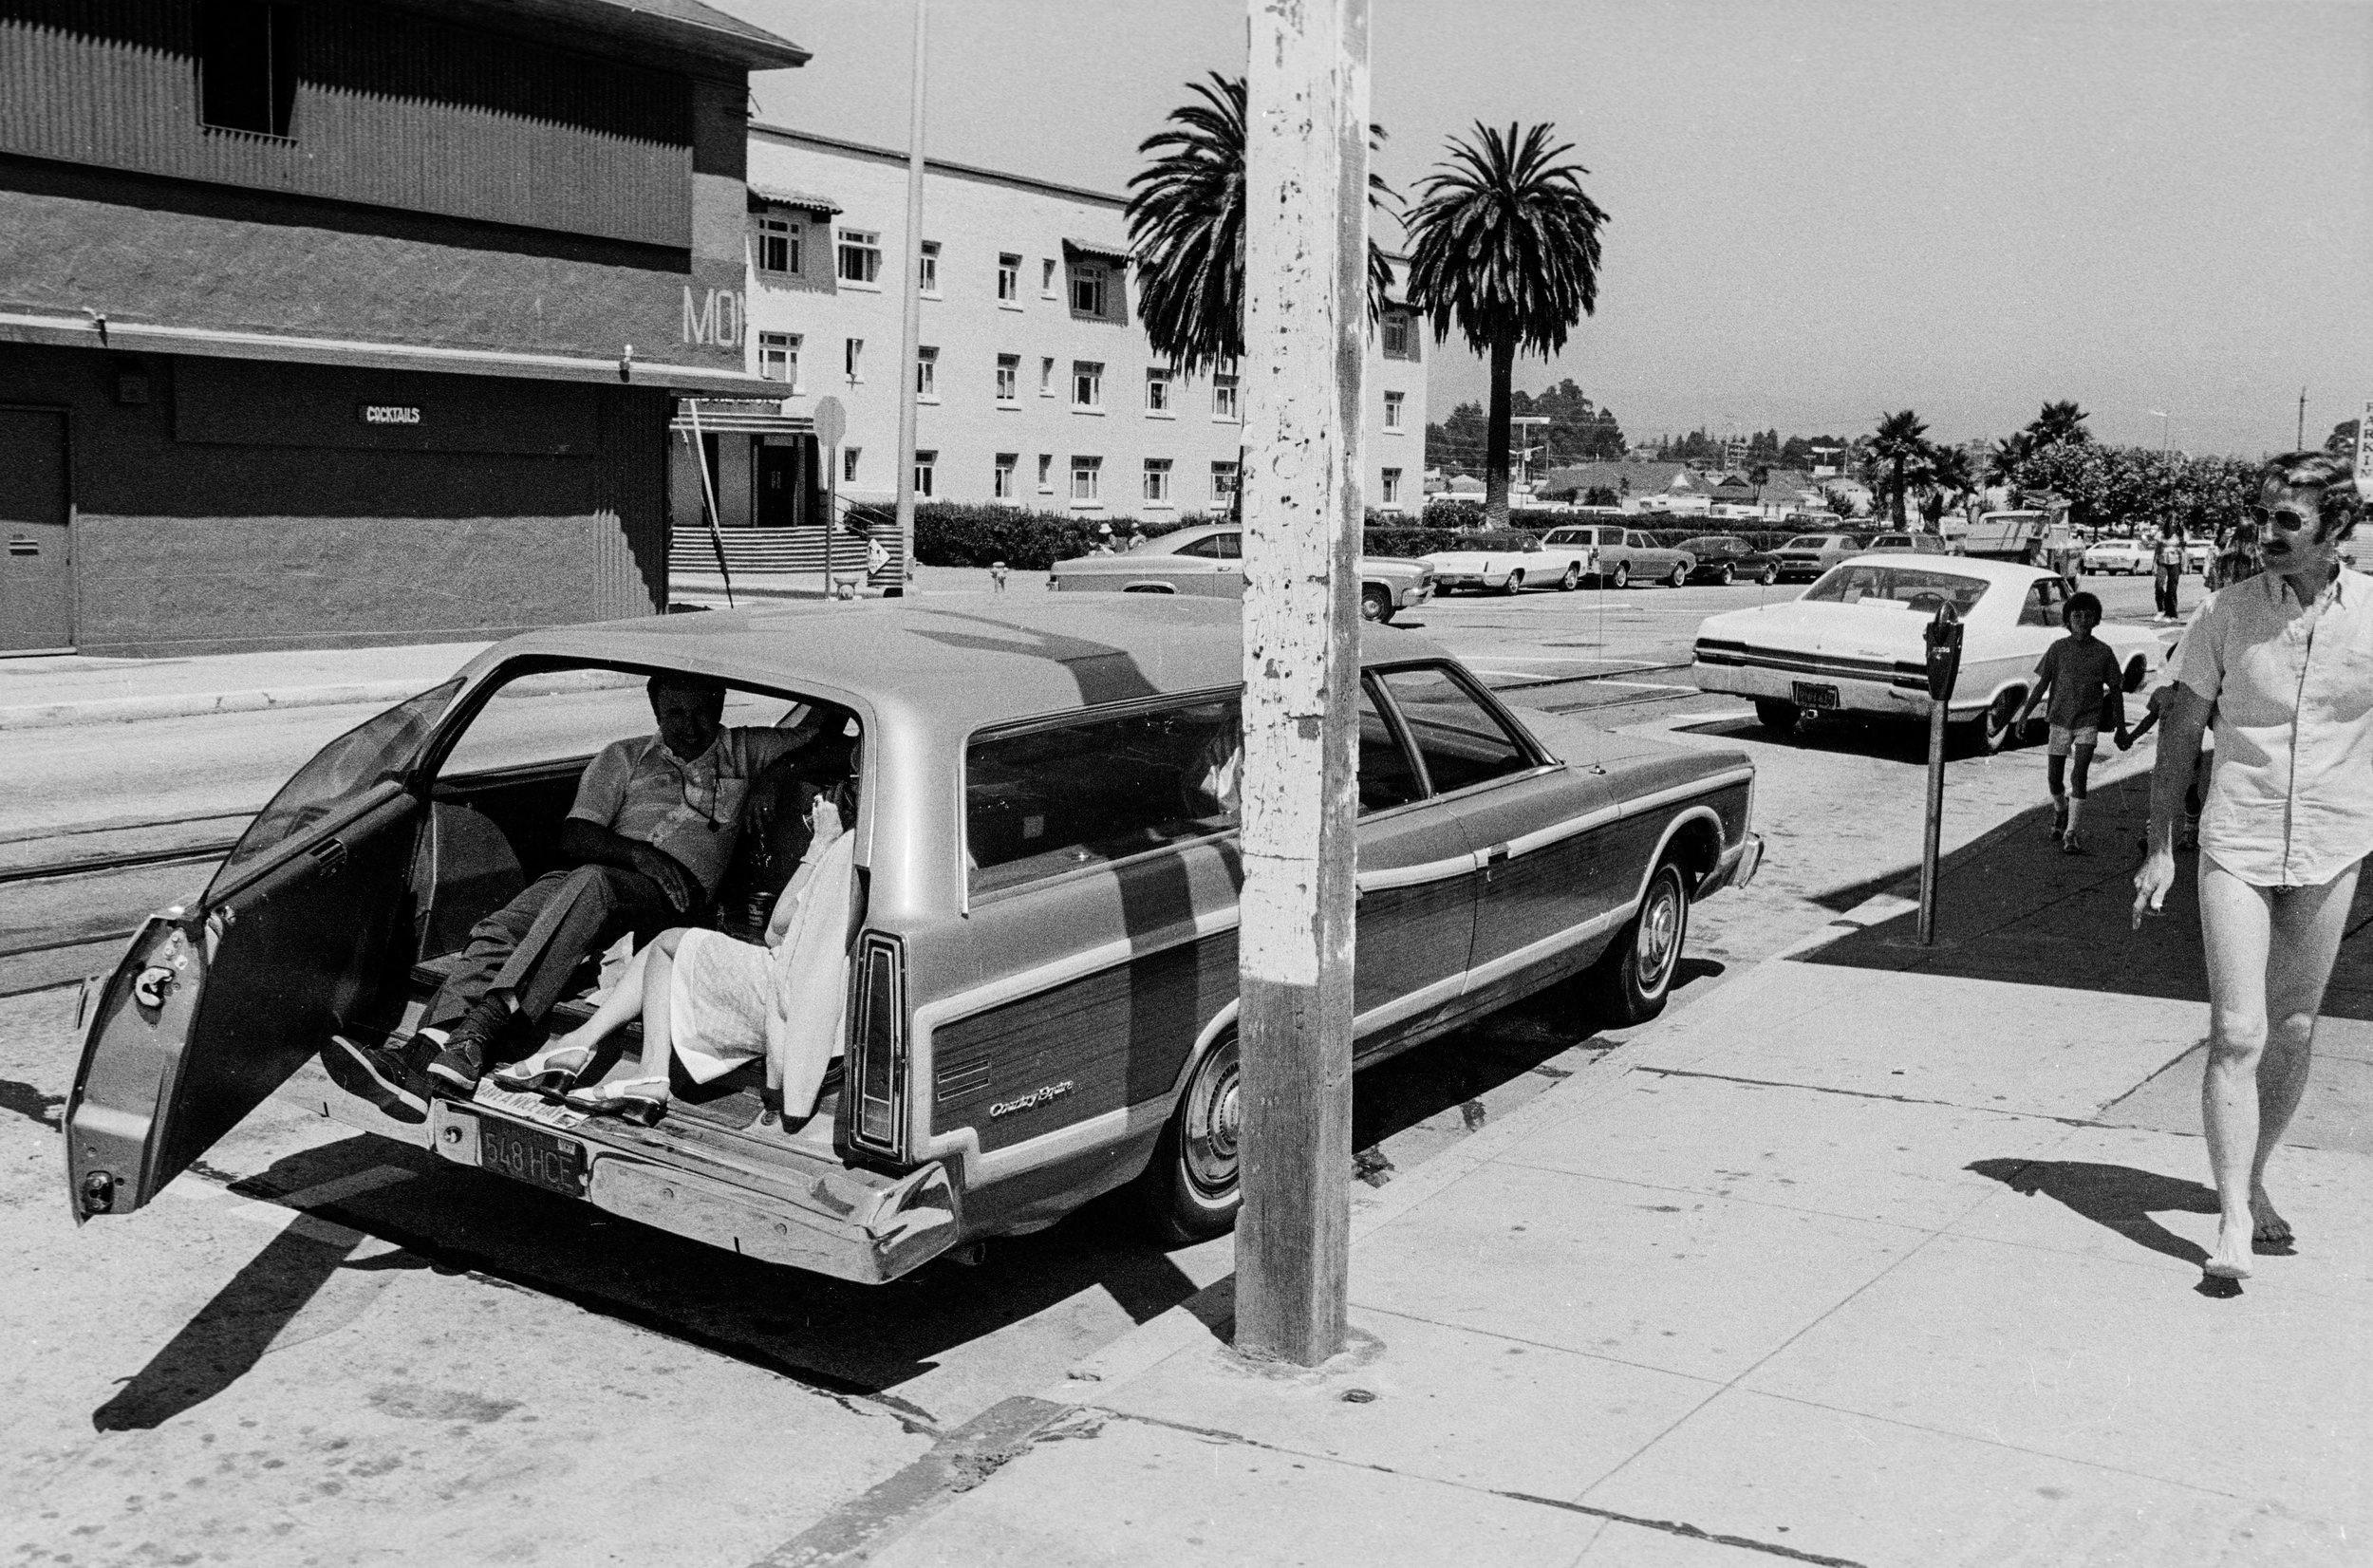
x: 1659, y: 941
x: 1214, y: 1122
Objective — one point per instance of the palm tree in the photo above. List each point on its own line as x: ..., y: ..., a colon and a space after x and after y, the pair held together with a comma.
x: 1901, y: 453
x: 1950, y: 475
x: 1504, y: 244
x: 1187, y: 227
x: 2009, y: 454
x: 2058, y: 422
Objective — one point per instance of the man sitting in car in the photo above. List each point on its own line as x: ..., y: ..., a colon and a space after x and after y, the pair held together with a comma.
x: 651, y: 833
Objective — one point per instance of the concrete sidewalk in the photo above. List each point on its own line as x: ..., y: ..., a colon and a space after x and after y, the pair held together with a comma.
x: 43, y: 692
x: 1877, y: 1255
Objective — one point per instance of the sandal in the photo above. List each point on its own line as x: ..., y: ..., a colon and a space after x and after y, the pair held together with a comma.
x: 552, y: 1073
x: 639, y: 1100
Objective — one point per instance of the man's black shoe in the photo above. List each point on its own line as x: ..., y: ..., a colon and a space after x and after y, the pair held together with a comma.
x: 379, y: 1074
x: 459, y: 1065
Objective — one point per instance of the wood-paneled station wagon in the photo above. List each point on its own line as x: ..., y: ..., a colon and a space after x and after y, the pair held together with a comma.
x: 1042, y: 980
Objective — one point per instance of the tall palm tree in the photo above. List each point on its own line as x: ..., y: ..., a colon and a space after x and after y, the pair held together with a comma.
x: 1504, y: 244
x: 1901, y: 452
x: 1950, y: 476
x: 1186, y: 226
x: 2009, y: 454
x: 2059, y: 422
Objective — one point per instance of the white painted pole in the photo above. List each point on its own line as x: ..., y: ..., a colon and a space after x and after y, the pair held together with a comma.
x: 1305, y: 354
x: 910, y: 318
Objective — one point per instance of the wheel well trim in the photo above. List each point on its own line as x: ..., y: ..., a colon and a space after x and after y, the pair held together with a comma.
x: 1683, y: 821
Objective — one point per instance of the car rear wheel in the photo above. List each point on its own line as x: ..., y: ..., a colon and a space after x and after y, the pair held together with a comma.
x: 1515, y: 585
x: 1725, y: 577
x: 1375, y: 604
x: 1572, y: 580
x: 1770, y: 576
x: 1191, y: 1189
x: 1622, y: 577
x: 1991, y: 730
x: 1631, y: 980
x: 1776, y: 715
x: 1680, y: 574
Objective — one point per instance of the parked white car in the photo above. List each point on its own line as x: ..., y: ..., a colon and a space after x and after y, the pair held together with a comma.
x: 2130, y: 556
x: 1853, y: 643
x: 1512, y: 560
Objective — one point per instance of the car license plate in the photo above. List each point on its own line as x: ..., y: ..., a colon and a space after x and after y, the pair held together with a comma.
x: 531, y: 1155
x: 1810, y: 696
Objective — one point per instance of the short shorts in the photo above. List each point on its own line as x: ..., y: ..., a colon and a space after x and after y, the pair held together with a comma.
x: 2065, y: 739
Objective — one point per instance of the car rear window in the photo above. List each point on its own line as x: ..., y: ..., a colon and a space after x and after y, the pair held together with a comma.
x: 1915, y: 587
x: 1051, y: 798
x: 1806, y: 541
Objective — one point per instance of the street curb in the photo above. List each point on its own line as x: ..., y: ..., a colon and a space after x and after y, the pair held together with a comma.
x: 121, y: 710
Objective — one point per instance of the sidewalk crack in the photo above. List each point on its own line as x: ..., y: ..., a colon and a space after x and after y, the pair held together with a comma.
x: 1872, y: 1094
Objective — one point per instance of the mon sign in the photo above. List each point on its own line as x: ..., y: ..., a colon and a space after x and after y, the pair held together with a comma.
x: 714, y: 317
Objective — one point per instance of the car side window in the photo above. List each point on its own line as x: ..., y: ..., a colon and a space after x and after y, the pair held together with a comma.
x: 1461, y: 742
x: 1201, y: 549
x: 1231, y: 545
x: 2042, y: 607
x: 1386, y: 777
x: 1048, y: 799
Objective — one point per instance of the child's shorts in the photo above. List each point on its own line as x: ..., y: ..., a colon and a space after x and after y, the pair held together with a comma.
x: 2065, y: 738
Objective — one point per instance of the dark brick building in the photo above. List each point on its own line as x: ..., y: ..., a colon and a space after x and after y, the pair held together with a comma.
x: 346, y: 323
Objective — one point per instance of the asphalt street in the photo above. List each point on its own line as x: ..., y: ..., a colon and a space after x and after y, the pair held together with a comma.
x: 315, y: 1331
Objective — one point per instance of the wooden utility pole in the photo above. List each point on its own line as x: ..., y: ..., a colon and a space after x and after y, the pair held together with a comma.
x: 910, y: 319
x: 1305, y: 354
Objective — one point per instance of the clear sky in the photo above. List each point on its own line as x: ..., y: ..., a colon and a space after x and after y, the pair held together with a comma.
x: 1822, y: 209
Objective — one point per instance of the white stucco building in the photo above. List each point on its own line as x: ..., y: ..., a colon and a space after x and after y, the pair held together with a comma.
x: 1035, y: 385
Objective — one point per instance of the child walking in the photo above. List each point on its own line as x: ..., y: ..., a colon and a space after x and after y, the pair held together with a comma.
x: 2080, y: 674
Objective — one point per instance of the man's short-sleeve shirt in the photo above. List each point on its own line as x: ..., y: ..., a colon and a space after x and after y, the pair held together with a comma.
x: 2290, y: 799
x: 641, y: 789
x: 2078, y: 673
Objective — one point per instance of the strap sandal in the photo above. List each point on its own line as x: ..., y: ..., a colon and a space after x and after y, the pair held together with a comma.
x: 551, y: 1073
x: 643, y: 1101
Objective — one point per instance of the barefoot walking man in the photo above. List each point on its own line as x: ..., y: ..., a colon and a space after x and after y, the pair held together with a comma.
x: 2286, y: 661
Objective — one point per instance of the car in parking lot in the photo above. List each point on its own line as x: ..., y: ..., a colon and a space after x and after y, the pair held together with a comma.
x: 1853, y: 642
x: 1042, y: 953
x: 1916, y: 544
x: 2129, y: 556
x: 1723, y: 558
x: 1623, y: 555
x: 1510, y: 562
x: 1209, y: 562
x: 1809, y: 555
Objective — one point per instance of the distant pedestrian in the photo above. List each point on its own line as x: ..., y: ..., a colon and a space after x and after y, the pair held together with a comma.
x: 2167, y: 571
x: 1102, y: 544
x: 2284, y: 661
x: 997, y: 575
x: 1137, y: 536
x: 2080, y: 675
x: 2237, y: 559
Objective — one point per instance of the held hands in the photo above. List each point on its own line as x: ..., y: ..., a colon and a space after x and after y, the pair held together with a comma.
x: 674, y: 880
x: 2151, y: 885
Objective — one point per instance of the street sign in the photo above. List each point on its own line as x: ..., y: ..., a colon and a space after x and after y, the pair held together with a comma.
x: 832, y: 420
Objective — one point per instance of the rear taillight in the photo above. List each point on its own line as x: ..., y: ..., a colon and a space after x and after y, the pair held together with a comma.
x: 877, y: 1066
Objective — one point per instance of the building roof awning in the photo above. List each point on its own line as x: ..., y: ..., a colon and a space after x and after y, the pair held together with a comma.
x: 744, y: 416
x: 1097, y: 249
x: 779, y: 195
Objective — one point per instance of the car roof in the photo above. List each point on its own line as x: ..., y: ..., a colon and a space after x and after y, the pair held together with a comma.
x: 950, y: 663
x: 1960, y: 566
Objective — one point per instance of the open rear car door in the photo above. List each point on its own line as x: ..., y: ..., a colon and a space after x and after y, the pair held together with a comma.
x: 211, y: 1008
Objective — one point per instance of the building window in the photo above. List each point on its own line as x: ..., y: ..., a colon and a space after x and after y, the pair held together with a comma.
x: 1046, y: 376
x: 246, y: 67
x: 1091, y: 286
x: 1001, y: 479
x: 927, y: 373
x: 1158, y: 480
x: 861, y: 256
x: 1046, y: 472
x: 925, y: 463
x: 928, y: 268
x: 1397, y: 336
x: 1392, y: 487
x: 1223, y: 481
x: 1046, y: 277
x: 849, y: 464
x: 1392, y: 402
x: 1087, y: 478
x: 1087, y: 385
x: 1008, y: 377
x: 853, y: 358
x: 778, y: 244
x: 778, y: 358
x: 1009, y: 279
x: 1224, y: 396
x: 1157, y: 391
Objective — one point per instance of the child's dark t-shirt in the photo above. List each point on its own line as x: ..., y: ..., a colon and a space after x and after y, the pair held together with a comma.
x: 2080, y: 673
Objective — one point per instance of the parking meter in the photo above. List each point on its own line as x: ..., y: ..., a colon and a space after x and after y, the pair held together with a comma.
x: 1943, y: 635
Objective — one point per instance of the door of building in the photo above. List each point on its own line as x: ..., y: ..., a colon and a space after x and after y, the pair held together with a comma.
x: 37, y: 571
x: 782, y: 485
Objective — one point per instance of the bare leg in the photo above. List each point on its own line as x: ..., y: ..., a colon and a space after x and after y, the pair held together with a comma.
x: 657, y: 1043
x: 623, y: 1001
x: 2235, y: 924
x: 2305, y: 939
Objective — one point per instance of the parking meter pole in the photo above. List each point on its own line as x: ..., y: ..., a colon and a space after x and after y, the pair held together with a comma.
x: 1305, y: 330
x: 1943, y: 636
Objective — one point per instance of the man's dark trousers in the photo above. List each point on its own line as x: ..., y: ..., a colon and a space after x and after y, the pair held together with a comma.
x: 531, y: 945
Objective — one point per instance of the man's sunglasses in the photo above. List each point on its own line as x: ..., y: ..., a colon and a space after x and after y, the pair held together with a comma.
x: 2289, y: 516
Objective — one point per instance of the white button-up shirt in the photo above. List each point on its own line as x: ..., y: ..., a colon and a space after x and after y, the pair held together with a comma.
x: 2291, y: 800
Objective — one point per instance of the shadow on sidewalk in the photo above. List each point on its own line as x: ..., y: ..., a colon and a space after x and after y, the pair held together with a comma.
x: 2010, y: 907
x: 2118, y: 1196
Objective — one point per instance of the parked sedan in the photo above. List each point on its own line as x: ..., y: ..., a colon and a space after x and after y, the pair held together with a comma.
x: 1508, y: 562
x: 1624, y: 556
x: 1209, y: 562
x: 1040, y: 957
x: 1916, y: 544
x: 1723, y: 558
x: 1854, y: 643
x: 2130, y: 556
x: 1809, y: 555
